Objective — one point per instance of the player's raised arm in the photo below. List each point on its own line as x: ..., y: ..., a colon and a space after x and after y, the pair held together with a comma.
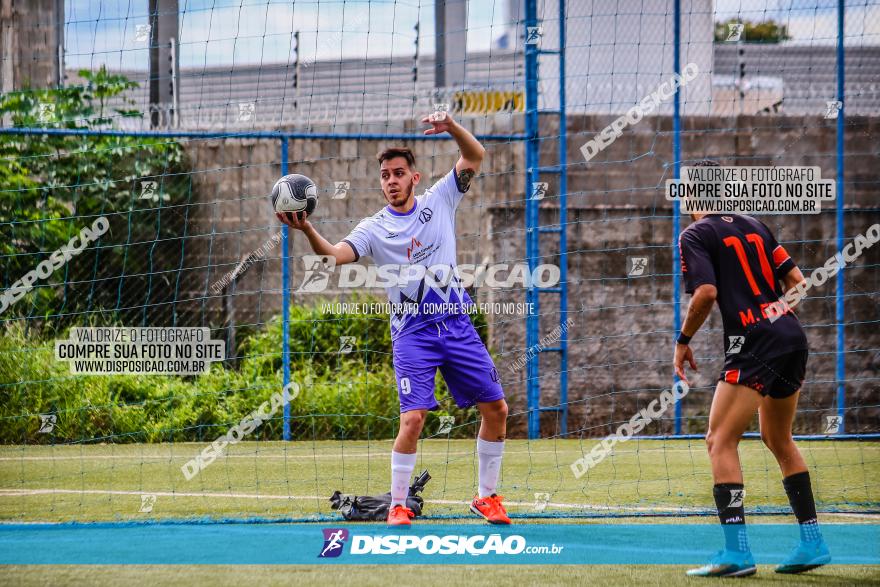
x: 472, y: 152
x: 342, y: 252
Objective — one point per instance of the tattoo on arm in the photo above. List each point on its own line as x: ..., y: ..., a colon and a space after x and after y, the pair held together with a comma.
x: 464, y: 179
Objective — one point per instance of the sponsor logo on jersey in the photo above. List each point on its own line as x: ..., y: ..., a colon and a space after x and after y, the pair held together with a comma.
x: 413, y: 246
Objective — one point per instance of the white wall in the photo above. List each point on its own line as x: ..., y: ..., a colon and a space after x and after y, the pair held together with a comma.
x: 619, y: 51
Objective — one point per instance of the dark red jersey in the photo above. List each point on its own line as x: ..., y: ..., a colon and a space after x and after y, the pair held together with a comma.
x: 741, y: 258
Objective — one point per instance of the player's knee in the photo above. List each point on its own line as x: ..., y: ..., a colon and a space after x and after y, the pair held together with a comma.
x: 717, y: 442
x: 777, y: 442
x: 710, y: 441
x: 411, y: 423
x: 495, y: 411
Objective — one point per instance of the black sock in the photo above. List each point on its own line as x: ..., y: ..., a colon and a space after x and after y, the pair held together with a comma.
x: 800, y: 496
x: 730, y: 500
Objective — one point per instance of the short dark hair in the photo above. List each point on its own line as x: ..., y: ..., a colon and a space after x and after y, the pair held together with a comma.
x: 398, y: 152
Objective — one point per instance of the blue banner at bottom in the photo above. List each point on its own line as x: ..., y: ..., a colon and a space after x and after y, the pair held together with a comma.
x: 284, y: 544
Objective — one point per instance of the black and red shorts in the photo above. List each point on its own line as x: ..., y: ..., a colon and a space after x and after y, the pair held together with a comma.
x: 778, y: 377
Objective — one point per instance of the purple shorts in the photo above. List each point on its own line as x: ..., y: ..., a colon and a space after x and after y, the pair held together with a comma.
x: 454, y: 346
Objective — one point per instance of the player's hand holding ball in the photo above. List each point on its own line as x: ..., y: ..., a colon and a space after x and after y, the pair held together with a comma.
x: 294, y: 198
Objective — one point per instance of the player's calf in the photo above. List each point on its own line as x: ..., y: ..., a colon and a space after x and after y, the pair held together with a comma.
x: 403, y: 462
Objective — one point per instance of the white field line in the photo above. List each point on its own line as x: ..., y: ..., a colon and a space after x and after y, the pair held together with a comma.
x: 30, y: 492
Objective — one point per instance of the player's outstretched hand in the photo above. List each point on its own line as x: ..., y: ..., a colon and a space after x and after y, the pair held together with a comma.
x: 440, y: 121
x: 683, y: 353
x: 293, y: 220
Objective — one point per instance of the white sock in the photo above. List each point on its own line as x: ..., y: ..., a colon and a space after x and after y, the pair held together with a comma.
x: 489, y: 454
x: 402, y: 466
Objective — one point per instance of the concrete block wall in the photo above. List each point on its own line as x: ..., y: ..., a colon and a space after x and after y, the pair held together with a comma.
x: 620, y: 339
x: 620, y: 348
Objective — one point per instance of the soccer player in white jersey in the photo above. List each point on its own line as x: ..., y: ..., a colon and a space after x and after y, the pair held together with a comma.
x: 414, y: 237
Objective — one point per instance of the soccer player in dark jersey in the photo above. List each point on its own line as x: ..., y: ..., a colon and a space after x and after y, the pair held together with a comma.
x: 735, y: 261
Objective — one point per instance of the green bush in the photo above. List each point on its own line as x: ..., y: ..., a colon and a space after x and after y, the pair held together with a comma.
x: 52, y: 186
x: 343, y: 396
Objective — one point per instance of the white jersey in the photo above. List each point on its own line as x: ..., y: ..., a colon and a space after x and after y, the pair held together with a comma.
x: 418, y: 250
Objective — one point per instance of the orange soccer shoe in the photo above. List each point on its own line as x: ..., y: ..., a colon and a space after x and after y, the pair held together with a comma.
x: 399, y: 515
x: 491, y: 509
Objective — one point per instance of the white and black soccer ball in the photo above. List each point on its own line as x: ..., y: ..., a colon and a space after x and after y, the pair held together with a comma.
x: 295, y: 193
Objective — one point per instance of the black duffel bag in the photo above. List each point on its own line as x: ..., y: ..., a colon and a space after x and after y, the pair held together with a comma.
x: 366, y: 508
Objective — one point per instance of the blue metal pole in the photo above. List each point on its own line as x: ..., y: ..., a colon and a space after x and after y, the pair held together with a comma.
x: 840, y: 371
x: 531, y: 128
x: 285, y: 303
x: 676, y: 212
x: 563, y: 223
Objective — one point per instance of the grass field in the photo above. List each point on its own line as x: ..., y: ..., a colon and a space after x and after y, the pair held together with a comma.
x: 439, y: 576
x: 293, y: 480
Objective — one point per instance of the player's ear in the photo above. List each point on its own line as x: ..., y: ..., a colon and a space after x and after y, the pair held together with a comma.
x: 416, y: 177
